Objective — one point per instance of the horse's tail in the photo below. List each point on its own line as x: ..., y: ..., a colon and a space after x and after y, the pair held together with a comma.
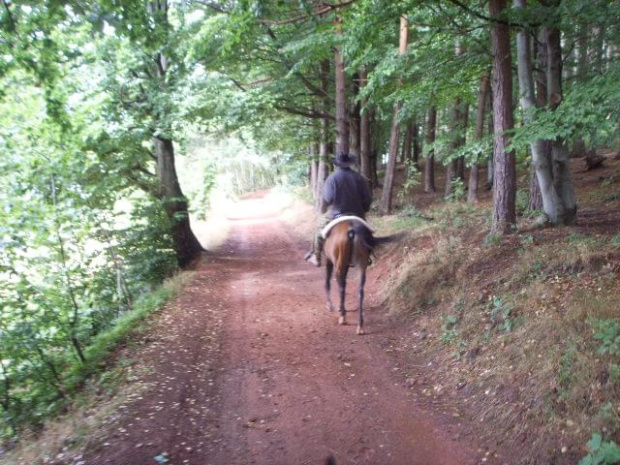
x: 389, y: 239
x: 351, y: 233
x: 369, y: 241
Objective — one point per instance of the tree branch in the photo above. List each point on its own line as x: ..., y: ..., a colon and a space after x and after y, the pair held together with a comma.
x: 320, y: 11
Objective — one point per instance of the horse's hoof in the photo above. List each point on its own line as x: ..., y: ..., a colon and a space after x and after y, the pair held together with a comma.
x: 360, y: 331
x: 330, y: 308
x: 342, y: 321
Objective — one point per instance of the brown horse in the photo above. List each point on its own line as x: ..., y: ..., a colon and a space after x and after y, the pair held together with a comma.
x: 350, y: 243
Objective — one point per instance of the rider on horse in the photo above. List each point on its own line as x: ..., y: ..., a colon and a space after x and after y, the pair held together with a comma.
x: 345, y: 192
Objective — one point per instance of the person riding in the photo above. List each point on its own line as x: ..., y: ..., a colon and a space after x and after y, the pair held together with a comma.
x: 345, y: 192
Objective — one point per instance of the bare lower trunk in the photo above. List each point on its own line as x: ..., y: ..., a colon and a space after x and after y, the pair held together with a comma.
x: 186, y: 246
x: 429, y: 166
x: 504, y: 182
x: 472, y: 192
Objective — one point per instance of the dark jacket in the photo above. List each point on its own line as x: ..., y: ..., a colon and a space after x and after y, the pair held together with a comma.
x: 346, y: 192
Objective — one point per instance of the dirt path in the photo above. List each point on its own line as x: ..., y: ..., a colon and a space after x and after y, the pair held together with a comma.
x: 247, y: 367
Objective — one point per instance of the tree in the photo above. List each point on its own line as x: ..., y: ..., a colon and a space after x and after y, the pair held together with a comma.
x: 504, y: 179
x: 388, y: 182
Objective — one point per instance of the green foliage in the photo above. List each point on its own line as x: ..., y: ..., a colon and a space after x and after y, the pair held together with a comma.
x: 458, y: 191
x: 608, y: 333
x: 601, y: 452
x: 500, y: 314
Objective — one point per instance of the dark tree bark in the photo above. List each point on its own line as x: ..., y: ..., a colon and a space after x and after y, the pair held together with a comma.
x: 472, y: 192
x: 504, y: 182
x: 365, y: 146
x: 429, y: 166
x: 388, y: 182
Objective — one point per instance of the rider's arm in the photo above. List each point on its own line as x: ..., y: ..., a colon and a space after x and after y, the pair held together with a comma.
x: 329, y: 193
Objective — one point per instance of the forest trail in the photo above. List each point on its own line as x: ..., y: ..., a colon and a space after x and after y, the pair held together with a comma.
x: 248, y: 367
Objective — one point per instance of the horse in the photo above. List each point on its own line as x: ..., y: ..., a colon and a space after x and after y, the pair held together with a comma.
x: 347, y: 244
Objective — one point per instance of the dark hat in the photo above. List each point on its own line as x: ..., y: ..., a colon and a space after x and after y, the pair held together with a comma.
x: 344, y: 160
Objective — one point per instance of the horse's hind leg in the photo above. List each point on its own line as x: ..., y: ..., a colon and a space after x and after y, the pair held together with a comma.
x: 360, y: 325
x: 342, y: 284
x: 329, y: 268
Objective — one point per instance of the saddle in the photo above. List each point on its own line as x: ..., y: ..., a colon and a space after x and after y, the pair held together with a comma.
x: 325, y: 231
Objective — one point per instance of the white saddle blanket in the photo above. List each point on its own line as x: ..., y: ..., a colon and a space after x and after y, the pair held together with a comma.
x: 325, y: 231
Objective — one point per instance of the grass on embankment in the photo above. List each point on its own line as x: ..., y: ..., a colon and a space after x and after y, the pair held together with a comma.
x: 99, y: 381
x: 523, y: 330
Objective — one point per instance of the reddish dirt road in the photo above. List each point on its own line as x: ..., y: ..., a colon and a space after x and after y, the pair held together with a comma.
x: 248, y: 367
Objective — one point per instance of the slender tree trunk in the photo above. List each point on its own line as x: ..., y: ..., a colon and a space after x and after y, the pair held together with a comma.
x: 561, y: 161
x: 460, y: 162
x: 504, y: 182
x: 429, y: 166
x: 452, y: 169
x: 374, y: 149
x: 417, y: 142
x: 472, y: 192
x: 324, y: 142
x: 388, y: 183
x: 342, y: 126
x: 314, y: 166
x: 354, y: 122
x: 365, y: 146
x: 491, y: 160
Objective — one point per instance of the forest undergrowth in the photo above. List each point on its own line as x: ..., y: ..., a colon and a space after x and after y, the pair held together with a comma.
x: 523, y: 331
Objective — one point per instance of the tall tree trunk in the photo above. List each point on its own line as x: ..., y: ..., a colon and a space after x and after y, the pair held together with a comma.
x: 504, y: 179
x: 324, y: 142
x: 365, y: 146
x: 472, y: 192
x: 429, y: 166
x: 342, y: 126
x: 354, y: 121
x: 186, y: 246
x: 388, y: 182
x: 314, y: 166
x: 551, y: 202
x: 561, y: 161
x: 460, y: 162
x: 452, y: 168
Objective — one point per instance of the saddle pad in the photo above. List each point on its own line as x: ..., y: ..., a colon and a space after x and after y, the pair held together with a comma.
x: 325, y: 231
